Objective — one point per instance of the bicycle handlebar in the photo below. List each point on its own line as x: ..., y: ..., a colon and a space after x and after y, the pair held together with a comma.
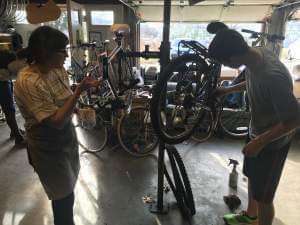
x: 251, y: 31
x: 195, y: 46
x: 92, y: 44
x: 144, y: 54
x: 270, y: 37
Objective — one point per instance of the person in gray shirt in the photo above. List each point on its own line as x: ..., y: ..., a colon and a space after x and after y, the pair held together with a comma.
x: 275, y: 114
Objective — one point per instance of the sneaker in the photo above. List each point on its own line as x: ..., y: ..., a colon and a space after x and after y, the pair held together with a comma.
x: 239, y: 219
x: 21, y: 143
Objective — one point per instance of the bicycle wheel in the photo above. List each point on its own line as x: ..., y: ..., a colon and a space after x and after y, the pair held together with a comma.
x: 181, y: 186
x: 235, y: 121
x: 92, y: 140
x: 135, y: 132
x: 178, y: 100
x: 205, y: 128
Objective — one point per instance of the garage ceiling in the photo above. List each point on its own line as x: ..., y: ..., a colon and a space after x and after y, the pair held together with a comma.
x: 208, y: 10
x: 212, y: 2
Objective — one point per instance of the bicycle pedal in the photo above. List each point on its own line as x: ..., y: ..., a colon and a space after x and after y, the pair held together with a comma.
x: 147, y: 199
x: 166, y: 189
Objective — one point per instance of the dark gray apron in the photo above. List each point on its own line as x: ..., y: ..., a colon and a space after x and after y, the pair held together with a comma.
x: 54, y: 155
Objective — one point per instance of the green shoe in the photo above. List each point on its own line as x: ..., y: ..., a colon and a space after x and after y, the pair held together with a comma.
x: 239, y: 219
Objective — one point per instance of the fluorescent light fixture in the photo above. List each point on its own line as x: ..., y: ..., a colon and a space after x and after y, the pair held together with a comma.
x: 194, y: 2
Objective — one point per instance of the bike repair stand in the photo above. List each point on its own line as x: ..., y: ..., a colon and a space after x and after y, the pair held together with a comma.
x: 159, y: 207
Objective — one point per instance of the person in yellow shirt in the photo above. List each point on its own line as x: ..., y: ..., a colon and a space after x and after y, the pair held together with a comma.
x: 47, y: 103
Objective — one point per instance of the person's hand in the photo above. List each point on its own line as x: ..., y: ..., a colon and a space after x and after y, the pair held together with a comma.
x: 86, y: 84
x: 253, y: 147
x: 76, y: 111
x: 73, y: 87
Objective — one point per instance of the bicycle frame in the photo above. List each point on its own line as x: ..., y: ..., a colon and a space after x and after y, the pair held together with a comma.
x: 119, y: 54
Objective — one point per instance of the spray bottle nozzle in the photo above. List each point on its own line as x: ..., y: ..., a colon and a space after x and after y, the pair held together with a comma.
x: 234, y: 162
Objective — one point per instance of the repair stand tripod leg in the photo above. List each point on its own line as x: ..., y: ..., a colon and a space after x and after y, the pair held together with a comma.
x: 159, y: 206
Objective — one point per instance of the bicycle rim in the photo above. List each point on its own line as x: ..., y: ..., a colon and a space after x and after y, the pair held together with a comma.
x: 135, y: 132
x: 204, y: 129
x: 175, y: 109
x: 235, y: 122
x: 92, y: 140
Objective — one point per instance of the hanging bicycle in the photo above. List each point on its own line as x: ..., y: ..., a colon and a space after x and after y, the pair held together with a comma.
x: 112, y: 103
x: 189, y: 107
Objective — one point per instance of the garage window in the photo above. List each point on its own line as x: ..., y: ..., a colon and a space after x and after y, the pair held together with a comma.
x: 21, y: 14
x: 102, y: 17
x: 151, y: 34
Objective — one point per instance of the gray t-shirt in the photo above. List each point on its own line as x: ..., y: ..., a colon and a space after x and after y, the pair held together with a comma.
x: 270, y: 93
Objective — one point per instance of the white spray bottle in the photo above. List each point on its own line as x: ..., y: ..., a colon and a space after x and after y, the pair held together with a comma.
x: 233, y: 176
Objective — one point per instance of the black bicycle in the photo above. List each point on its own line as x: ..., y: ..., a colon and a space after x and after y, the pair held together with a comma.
x: 183, y: 102
x: 182, y: 95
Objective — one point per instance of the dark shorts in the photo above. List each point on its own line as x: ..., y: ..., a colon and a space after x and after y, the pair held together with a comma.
x: 6, y: 97
x: 264, y: 170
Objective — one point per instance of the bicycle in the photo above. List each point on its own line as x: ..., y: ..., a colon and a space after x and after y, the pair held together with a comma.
x: 12, y: 11
x: 261, y: 38
x: 81, y: 67
x: 177, y: 114
x: 112, y: 103
x: 230, y: 115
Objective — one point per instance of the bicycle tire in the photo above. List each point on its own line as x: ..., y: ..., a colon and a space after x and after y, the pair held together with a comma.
x: 181, y: 186
x: 135, y: 130
x: 3, y: 5
x: 89, y: 139
x: 204, y: 130
x: 235, y: 122
x: 175, y: 67
x: 127, y: 71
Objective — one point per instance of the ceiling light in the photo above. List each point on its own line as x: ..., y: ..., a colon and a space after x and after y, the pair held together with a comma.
x: 194, y: 2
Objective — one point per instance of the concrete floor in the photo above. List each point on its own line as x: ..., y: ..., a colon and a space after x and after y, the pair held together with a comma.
x: 112, y: 183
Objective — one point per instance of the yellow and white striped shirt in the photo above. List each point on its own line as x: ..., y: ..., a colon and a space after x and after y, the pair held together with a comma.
x: 38, y: 96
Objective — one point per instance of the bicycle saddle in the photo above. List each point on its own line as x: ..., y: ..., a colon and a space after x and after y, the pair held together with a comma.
x: 120, y: 28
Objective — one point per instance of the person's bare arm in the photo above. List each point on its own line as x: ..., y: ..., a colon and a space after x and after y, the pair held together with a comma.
x: 276, y: 132
x: 221, y: 91
x: 63, y: 114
